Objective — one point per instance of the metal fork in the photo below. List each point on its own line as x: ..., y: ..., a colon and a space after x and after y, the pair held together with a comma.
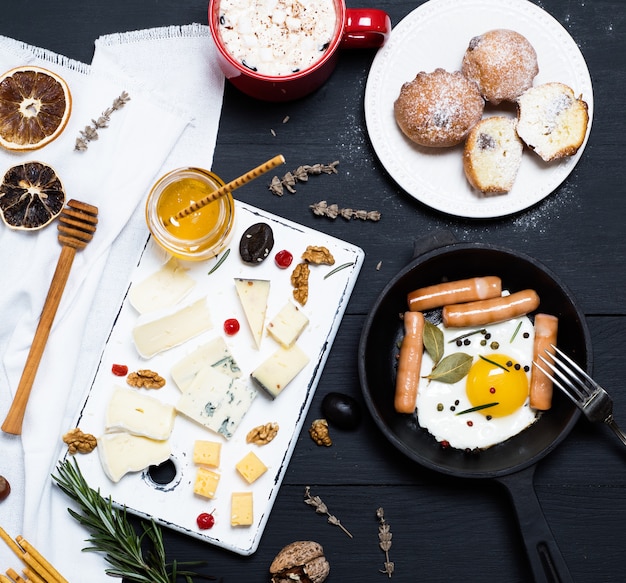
x: 595, y: 403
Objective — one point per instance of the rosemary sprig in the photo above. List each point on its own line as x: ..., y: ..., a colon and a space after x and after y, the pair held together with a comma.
x: 493, y: 362
x: 384, y: 538
x: 113, y: 534
x: 478, y: 408
x: 321, y: 508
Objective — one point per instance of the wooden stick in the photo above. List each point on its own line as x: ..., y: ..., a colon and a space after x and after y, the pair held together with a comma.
x: 4, y: 579
x: 15, y: 576
x: 32, y: 576
x: 11, y: 543
x: 74, y: 235
x: 244, y: 179
x: 48, y: 572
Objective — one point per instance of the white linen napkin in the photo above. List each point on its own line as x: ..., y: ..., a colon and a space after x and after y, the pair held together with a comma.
x: 158, y: 129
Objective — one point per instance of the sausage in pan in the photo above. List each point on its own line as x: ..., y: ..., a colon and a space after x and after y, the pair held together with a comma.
x: 409, y: 363
x: 454, y: 292
x: 546, y: 328
x: 490, y: 311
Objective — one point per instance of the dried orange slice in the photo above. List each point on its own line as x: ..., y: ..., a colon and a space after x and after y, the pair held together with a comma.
x: 31, y: 196
x: 35, y: 105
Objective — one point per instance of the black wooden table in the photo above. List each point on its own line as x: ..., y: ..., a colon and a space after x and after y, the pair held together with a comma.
x: 443, y: 529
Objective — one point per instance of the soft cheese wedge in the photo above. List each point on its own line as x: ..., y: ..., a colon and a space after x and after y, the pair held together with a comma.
x: 131, y: 411
x: 216, y: 401
x: 253, y: 294
x: 164, y: 288
x: 121, y: 453
x: 214, y: 353
x: 286, y: 326
x: 275, y: 373
x: 157, y: 332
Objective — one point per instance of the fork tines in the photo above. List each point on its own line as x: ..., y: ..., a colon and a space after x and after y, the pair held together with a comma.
x: 570, y: 378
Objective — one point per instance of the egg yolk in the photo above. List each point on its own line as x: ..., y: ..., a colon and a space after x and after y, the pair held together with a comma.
x: 496, y: 379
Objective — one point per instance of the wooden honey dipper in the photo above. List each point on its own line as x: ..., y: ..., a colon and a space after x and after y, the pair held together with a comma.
x: 78, y: 222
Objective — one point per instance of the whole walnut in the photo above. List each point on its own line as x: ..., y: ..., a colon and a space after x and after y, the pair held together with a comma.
x: 300, y: 561
x: 319, y: 432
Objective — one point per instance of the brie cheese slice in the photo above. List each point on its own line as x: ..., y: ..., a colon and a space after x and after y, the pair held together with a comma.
x: 253, y: 294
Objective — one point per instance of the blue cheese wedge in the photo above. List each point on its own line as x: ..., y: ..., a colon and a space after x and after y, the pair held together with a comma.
x: 164, y: 288
x: 216, y: 401
x: 253, y: 294
x: 121, y: 453
x: 275, y: 373
x: 214, y: 353
x: 286, y: 326
x: 139, y: 414
x: 158, y: 332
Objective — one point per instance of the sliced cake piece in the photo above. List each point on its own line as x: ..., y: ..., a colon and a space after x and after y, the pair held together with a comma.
x: 552, y: 121
x: 492, y: 155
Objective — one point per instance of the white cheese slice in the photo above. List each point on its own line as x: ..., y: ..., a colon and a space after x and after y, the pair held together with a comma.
x: 253, y: 294
x: 216, y: 401
x: 286, y: 326
x: 275, y: 373
x: 164, y: 288
x: 214, y: 353
x: 131, y: 411
x: 121, y: 453
x: 158, y: 332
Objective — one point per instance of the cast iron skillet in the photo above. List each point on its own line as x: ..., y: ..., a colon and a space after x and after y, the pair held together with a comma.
x: 511, y: 463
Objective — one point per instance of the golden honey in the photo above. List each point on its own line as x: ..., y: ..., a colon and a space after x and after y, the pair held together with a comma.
x: 203, y: 233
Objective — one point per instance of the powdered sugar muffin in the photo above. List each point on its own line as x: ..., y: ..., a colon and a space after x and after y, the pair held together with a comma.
x: 502, y: 63
x: 552, y: 121
x: 492, y: 155
x: 438, y: 109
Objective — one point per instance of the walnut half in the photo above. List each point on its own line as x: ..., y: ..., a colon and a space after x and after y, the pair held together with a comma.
x: 300, y: 561
x: 79, y: 442
x: 146, y: 379
x: 262, y: 434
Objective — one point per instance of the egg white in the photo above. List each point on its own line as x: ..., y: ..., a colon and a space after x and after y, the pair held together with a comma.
x: 438, y: 403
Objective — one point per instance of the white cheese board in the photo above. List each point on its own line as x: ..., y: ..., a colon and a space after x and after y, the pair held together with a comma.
x: 219, y: 384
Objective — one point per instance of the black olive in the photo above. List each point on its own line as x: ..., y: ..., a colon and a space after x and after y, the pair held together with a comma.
x: 256, y: 243
x: 341, y: 410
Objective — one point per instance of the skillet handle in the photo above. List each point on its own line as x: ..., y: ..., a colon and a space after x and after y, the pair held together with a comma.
x: 546, y: 561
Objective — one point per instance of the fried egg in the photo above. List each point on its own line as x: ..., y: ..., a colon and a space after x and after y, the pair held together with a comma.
x: 490, y: 404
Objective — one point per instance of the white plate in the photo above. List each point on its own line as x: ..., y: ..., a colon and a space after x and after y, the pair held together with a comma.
x: 174, y: 504
x: 436, y: 35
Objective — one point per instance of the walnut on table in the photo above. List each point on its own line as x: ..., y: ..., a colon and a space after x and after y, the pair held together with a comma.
x: 79, y: 442
x: 145, y: 379
x: 319, y: 432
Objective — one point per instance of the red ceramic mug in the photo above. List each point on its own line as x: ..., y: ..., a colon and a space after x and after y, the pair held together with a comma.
x: 354, y: 28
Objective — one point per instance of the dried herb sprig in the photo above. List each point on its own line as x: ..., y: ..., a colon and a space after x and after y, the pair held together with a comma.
x: 384, y: 538
x: 300, y: 174
x: 321, y: 508
x: 333, y: 211
x: 113, y: 534
x: 90, y: 133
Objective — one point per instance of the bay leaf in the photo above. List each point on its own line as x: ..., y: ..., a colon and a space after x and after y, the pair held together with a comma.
x: 433, y: 341
x: 452, y: 368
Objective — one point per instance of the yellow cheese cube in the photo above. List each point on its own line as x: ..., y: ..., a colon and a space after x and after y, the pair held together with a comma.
x: 207, y: 453
x: 206, y: 483
x: 251, y: 467
x: 241, y: 509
